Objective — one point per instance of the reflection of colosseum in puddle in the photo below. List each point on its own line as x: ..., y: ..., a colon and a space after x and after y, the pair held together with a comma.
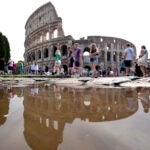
x: 44, y: 32
x: 4, y: 107
x: 46, y: 114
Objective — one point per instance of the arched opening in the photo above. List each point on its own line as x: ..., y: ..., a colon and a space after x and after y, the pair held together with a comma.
x: 45, y: 53
x: 101, y: 40
x: 108, y: 56
x: 39, y: 54
x: 33, y: 56
x: 46, y: 68
x: 64, y: 50
x: 47, y: 36
x: 115, y: 56
x: 54, y: 50
x: 28, y: 58
x: 55, y: 33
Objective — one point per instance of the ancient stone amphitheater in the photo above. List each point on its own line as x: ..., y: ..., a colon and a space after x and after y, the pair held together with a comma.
x: 44, y: 34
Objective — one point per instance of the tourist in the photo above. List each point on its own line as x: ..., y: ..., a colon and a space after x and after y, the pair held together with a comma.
x: 70, y: 60
x: 93, y: 59
x: 77, y: 59
x: 122, y: 69
x: 128, y: 58
x: 21, y: 68
x: 36, y: 68
x: 32, y: 68
x: 58, y: 61
x: 10, y: 66
x: 14, y: 67
x: 142, y: 61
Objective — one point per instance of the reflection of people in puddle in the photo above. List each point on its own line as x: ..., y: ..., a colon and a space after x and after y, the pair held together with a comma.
x: 144, y: 96
x: 34, y: 90
x: 131, y: 100
x: 57, y: 92
x: 21, y: 92
x: 11, y: 93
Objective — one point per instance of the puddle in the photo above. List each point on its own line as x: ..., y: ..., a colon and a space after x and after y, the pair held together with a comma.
x: 47, y: 116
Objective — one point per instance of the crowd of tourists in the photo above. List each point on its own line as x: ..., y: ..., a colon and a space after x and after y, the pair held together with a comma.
x: 129, y: 64
x: 11, y: 67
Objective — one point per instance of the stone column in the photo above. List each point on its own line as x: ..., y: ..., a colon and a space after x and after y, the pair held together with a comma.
x: 112, y: 54
x: 36, y: 55
x: 42, y: 37
x: 42, y: 54
x: 50, y: 37
x: 118, y: 63
x: 60, y: 32
x: 105, y: 55
x: 105, y: 58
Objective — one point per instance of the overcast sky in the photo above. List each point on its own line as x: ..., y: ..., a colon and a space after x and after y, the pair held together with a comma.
x: 127, y: 19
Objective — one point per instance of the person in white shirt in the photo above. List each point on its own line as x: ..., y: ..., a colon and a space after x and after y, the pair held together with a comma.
x: 10, y: 66
x: 32, y: 68
x: 36, y: 68
x: 142, y: 61
x: 128, y: 58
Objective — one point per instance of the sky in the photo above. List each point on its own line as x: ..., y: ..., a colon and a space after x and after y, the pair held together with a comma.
x: 126, y: 19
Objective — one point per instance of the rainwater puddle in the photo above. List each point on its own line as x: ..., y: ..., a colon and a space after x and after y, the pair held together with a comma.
x: 54, y: 117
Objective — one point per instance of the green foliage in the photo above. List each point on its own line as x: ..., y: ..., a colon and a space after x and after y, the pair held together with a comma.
x: 4, y: 48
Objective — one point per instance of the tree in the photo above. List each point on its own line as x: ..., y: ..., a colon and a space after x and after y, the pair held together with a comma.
x: 4, y: 48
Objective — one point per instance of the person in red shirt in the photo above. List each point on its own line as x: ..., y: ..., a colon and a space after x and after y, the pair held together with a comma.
x: 14, y: 67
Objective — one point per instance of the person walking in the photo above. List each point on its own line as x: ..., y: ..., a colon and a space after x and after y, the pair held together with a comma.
x: 70, y: 60
x: 77, y: 58
x: 122, y: 69
x: 93, y: 59
x: 32, y: 68
x: 14, y: 67
x: 36, y: 68
x: 128, y: 57
x: 10, y: 66
x: 58, y: 61
x: 142, y: 61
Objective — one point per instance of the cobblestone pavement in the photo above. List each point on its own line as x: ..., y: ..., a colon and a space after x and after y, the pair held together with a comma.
x: 127, y: 81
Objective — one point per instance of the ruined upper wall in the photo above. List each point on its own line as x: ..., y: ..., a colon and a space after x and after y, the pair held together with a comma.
x: 44, y: 15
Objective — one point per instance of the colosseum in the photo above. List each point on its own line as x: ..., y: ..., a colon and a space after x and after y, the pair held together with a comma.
x: 44, y: 34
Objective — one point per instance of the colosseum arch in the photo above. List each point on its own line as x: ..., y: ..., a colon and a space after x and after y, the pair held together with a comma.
x: 39, y: 54
x: 108, y: 55
x: 114, y: 56
x: 33, y: 56
x: 64, y: 50
x: 46, y: 53
x: 54, y: 48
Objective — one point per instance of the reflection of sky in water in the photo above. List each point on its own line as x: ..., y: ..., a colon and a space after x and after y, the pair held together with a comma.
x: 71, y: 118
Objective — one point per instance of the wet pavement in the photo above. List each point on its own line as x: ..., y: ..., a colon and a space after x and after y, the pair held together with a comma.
x: 49, y: 115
